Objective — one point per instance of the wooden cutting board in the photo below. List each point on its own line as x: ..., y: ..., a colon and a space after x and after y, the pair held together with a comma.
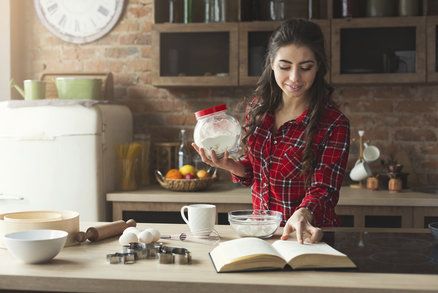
x: 107, y: 91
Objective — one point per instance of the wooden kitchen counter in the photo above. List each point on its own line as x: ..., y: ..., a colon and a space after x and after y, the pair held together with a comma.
x: 83, y: 268
x: 413, y: 208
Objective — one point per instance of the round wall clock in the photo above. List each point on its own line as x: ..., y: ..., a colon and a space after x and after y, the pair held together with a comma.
x: 79, y: 21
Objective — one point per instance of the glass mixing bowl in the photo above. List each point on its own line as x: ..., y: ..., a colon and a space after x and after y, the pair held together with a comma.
x: 255, y: 223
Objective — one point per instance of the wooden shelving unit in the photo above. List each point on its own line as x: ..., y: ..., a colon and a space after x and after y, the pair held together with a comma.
x: 240, y: 44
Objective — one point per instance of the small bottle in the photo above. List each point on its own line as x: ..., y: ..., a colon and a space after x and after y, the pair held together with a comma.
x: 313, y: 9
x: 187, y: 11
x: 172, y: 11
x: 207, y: 9
x: 184, y: 151
x: 347, y: 8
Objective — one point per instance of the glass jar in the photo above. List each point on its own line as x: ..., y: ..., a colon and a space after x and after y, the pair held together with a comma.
x: 215, y: 10
x: 378, y: 8
x: 347, y: 8
x: 217, y: 131
x: 276, y: 9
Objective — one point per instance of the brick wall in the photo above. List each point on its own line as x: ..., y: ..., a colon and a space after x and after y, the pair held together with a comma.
x: 402, y: 120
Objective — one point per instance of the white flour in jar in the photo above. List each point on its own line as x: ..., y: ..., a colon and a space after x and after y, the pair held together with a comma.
x: 219, y: 144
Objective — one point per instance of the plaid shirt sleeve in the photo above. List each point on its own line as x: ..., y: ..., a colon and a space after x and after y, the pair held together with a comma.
x: 323, y: 192
x: 249, y: 175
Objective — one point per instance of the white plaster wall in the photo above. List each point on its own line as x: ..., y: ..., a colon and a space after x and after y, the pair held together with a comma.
x: 5, y: 49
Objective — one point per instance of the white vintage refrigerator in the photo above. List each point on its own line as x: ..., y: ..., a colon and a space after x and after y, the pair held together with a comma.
x: 60, y: 156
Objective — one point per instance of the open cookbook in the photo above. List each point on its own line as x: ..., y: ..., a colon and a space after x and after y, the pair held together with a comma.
x: 247, y: 254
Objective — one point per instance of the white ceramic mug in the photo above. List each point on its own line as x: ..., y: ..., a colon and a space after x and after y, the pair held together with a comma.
x: 201, y: 218
x: 360, y: 171
x: 370, y: 153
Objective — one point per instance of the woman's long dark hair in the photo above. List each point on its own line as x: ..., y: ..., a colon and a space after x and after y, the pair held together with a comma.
x: 268, y: 95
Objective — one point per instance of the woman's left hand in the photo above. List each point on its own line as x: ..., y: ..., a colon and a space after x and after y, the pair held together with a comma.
x: 300, y: 222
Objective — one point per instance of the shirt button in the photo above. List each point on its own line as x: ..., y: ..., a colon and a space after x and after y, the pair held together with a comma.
x: 265, y: 184
x: 275, y: 142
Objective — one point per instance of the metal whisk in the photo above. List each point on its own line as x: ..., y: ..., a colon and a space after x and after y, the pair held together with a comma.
x: 213, y: 238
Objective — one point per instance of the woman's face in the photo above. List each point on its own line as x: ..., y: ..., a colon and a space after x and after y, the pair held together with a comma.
x: 295, y: 69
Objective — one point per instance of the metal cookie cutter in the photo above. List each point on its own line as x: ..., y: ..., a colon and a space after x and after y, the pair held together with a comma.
x: 169, y: 254
x: 141, y: 250
x: 182, y: 256
x: 166, y: 257
x: 116, y: 258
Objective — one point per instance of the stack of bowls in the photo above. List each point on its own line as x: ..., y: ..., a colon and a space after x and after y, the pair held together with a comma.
x: 40, y: 220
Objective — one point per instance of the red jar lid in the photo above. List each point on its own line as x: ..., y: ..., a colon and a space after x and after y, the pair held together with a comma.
x: 211, y: 110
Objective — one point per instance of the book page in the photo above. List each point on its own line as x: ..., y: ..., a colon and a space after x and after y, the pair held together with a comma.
x: 241, y: 249
x: 289, y: 249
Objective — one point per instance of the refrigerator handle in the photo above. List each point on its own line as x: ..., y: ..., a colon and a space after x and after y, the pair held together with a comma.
x: 10, y: 197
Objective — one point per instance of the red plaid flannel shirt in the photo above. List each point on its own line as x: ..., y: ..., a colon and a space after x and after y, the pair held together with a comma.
x: 273, y: 166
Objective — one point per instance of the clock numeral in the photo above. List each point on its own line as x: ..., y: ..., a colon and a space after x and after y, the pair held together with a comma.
x: 103, y: 10
x: 52, y: 8
x: 77, y: 27
x: 62, y: 21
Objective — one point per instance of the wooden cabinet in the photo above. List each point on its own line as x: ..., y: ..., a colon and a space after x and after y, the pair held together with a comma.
x: 379, y: 50
x: 218, y: 54
x: 361, y: 49
x: 357, y: 207
x: 195, y: 54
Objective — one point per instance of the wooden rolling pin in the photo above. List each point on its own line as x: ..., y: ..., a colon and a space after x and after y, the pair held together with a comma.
x: 105, y: 231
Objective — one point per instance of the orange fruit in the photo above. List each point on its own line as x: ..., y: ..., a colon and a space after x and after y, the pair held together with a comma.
x: 173, y: 174
x: 202, y: 174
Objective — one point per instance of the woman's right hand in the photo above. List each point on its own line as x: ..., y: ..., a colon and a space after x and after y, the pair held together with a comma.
x: 225, y: 162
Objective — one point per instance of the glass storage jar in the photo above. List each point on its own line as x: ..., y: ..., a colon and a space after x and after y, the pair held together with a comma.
x: 217, y: 131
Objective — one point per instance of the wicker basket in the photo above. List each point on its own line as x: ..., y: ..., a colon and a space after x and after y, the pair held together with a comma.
x: 185, y: 184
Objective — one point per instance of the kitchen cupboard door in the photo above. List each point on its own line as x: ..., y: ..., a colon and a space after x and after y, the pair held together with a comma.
x: 195, y: 54
x: 379, y: 50
x: 253, y: 45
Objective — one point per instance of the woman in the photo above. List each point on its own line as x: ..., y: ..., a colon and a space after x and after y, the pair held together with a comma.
x: 296, y: 140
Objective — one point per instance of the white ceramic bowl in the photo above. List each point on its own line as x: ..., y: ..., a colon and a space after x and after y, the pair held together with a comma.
x: 69, y: 223
x: 255, y: 223
x: 35, y: 246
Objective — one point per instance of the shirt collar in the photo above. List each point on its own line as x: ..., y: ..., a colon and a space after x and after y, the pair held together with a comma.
x: 302, y: 119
